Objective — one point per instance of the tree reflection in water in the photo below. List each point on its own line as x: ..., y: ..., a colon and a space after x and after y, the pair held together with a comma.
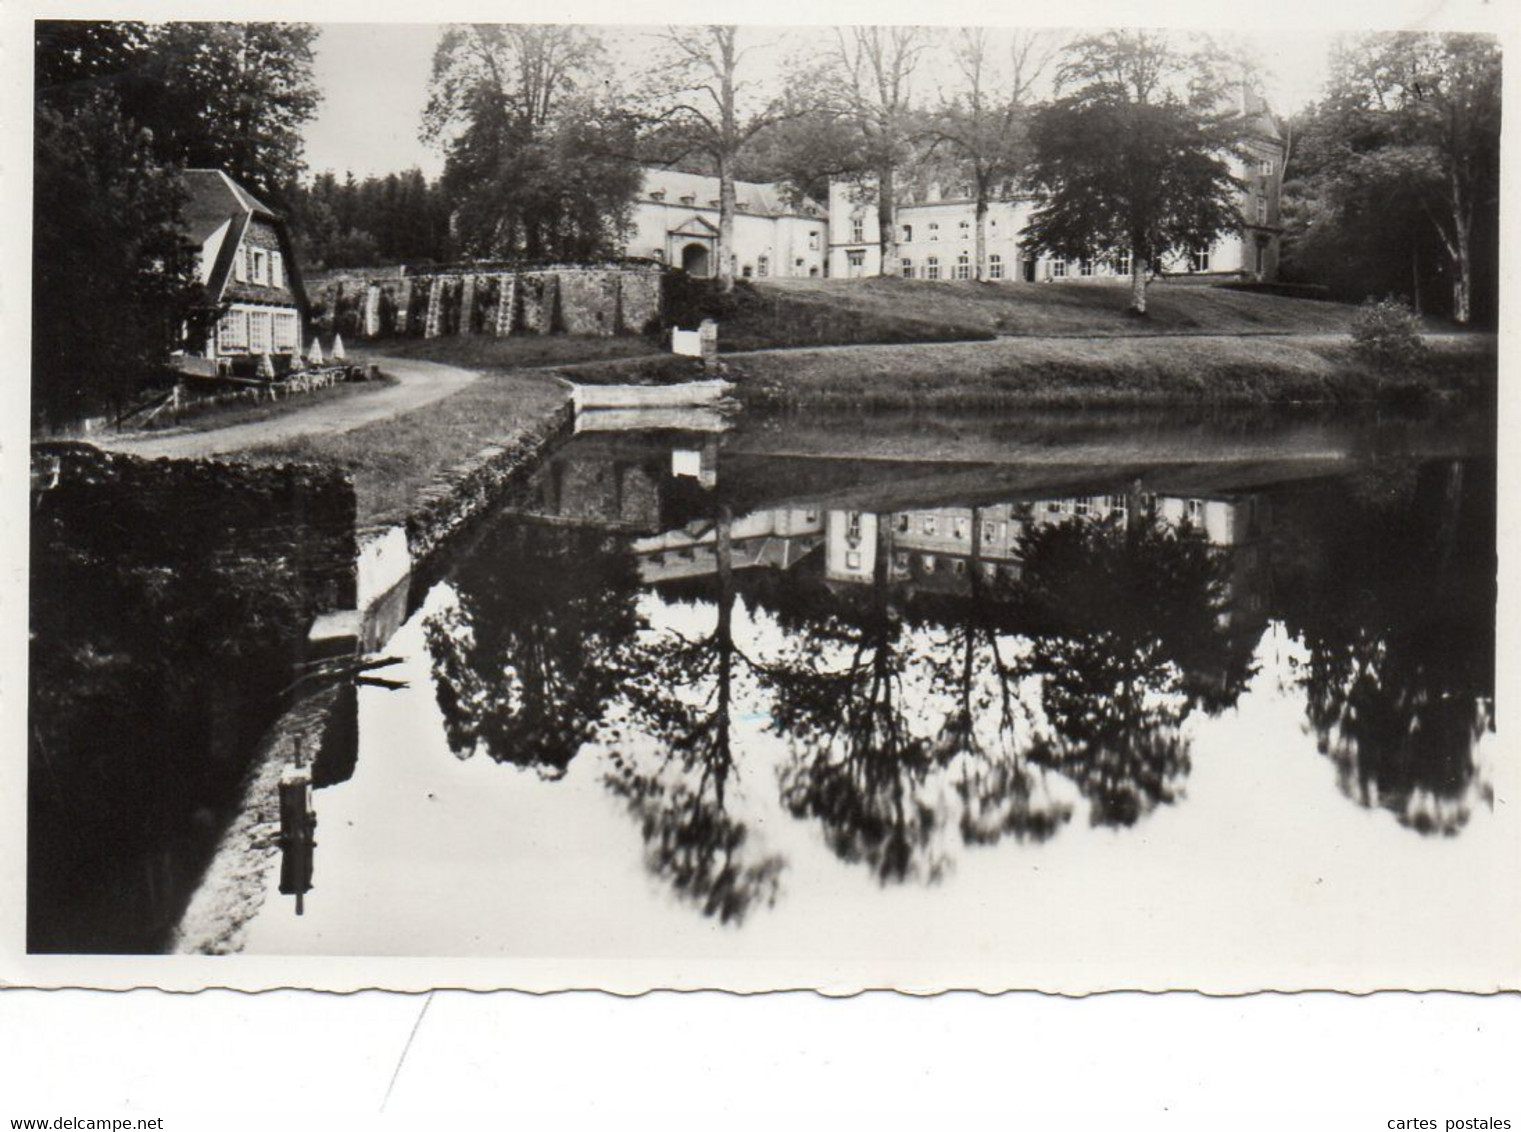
x: 859, y: 766
x: 674, y: 773
x: 1118, y: 614
x: 988, y: 728
x: 1395, y: 604
x: 534, y: 647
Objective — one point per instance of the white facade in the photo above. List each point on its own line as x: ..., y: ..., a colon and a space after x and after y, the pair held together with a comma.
x: 675, y: 220
x: 937, y: 227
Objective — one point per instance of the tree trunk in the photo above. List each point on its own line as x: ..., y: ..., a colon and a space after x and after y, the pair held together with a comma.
x: 1138, y: 269
x: 1462, y: 284
x: 981, y: 251
x: 725, y: 225
x: 887, y: 222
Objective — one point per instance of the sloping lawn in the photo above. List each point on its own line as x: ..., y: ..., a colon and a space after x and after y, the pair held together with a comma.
x: 1081, y: 309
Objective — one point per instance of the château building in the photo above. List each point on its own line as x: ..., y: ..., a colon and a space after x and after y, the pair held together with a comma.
x: 937, y: 226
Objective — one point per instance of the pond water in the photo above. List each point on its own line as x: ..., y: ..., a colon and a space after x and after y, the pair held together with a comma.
x: 1055, y: 689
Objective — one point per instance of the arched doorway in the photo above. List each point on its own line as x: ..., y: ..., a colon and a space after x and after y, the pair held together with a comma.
x: 694, y: 260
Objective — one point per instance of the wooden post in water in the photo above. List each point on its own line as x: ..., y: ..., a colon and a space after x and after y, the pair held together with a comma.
x: 298, y: 822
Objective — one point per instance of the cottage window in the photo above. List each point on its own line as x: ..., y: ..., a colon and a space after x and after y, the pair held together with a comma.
x: 260, y: 337
x: 260, y: 266
x: 995, y: 267
x: 932, y: 267
x: 240, y: 265
x: 1199, y: 261
x: 285, y: 333
x: 232, y: 331
x: 276, y: 269
x: 908, y: 268
x: 963, y: 266
x: 1058, y: 269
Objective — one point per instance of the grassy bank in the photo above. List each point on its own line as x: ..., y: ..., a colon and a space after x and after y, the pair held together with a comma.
x: 394, y: 461
x: 1078, y: 372
x: 1053, y: 309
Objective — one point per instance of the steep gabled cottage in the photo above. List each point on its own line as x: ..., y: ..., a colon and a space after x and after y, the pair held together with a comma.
x: 247, y: 262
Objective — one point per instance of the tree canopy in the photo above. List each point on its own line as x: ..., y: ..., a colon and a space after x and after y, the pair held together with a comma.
x: 1132, y: 156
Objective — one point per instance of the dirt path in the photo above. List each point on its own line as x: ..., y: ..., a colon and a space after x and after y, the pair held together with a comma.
x: 416, y: 383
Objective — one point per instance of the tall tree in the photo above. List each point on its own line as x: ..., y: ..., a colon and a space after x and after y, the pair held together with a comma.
x: 710, y: 107
x: 1133, y: 154
x: 984, y: 121
x: 233, y: 96
x: 535, y: 146
x: 113, y: 282
x: 1421, y: 111
x: 873, y: 88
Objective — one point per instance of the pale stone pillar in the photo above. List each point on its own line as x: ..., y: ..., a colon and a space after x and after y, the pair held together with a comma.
x: 466, y: 303
x: 372, y: 311
x: 435, y: 307
x: 506, y: 305
x: 404, y: 306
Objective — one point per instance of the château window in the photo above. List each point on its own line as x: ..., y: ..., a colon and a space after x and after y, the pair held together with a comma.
x: 958, y: 529
x: 1122, y: 263
x: 763, y: 266
x: 1262, y: 210
x: 934, y: 231
x: 658, y: 194
x: 813, y: 241
x: 260, y: 266
x: 1195, y: 510
x: 856, y: 257
x: 995, y: 267
x: 965, y: 226
x: 963, y: 266
x: 908, y: 268
x: 1085, y: 266
x: 929, y: 524
x: 900, y: 524
x: 853, y: 525
x: 1058, y: 269
x: 1265, y: 167
x: 857, y: 230
x: 690, y: 198
x: 1199, y: 261
x: 908, y: 233
x: 932, y: 268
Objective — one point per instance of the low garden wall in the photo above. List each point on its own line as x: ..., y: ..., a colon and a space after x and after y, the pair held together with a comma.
x: 599, y: 299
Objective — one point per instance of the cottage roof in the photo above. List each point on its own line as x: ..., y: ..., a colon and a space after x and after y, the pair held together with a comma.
x: 217, y: 200
x: 755, y: 198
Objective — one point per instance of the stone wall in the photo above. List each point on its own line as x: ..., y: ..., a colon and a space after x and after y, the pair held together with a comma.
x: 617, y: 298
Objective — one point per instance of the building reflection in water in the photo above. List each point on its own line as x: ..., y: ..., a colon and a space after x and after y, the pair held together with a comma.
x: 941, y: 675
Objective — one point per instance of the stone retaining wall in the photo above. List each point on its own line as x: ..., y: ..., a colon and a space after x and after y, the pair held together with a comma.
x: 618, y: 298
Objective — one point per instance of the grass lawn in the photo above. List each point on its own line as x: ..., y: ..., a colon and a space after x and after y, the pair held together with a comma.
x: 482, y: 352
x: 1076, y: 372
x: 393, y: 460
x: 1085, y: 309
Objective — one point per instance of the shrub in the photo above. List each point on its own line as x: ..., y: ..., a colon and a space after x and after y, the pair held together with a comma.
x: 1387, y: 334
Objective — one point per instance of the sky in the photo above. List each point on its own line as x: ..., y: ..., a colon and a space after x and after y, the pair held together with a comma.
x: 374, y: 79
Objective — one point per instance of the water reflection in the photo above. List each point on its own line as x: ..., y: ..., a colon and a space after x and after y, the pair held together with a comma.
x: 919, y: 663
